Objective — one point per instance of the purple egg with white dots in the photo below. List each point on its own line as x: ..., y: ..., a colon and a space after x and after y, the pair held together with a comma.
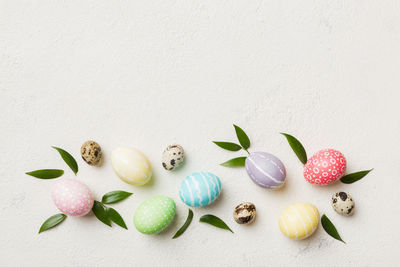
x: 265, y: 170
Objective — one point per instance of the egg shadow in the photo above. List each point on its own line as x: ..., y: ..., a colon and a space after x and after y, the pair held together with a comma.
x: 169, y: 230
x: 151, y: 182
x: 102, y: 161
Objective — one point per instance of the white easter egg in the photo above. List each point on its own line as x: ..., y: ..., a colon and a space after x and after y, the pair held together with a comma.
x: 131, y: 165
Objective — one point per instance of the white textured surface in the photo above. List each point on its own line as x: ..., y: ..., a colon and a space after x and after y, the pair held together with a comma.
x: 151, y: 73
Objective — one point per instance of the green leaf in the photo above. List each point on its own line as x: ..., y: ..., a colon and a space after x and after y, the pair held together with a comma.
x: 115, y: 196
x: 228, y: 146
x: 46, y: 173
x: 297, y: 147
x: 100, y: 212
x: 185, y: 225
x: 52, y: 221
x: 215, y: 221
x: 354, y: 177
x: 114, y: 216
x: 236, y: 162
x: 71, y: 162
x: 242, y: 137
x: 330, y: 228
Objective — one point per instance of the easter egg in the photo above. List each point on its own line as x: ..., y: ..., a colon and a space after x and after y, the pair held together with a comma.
x: 265, y: 170
x: 131, y: 165
x: 299, y: 220
x: 244, y: 213
x: 154, y: 215
x: 200, y: 189
x: 72, y: 197
x: 325, y: 167
x: 343, y: 203
x: 173, y: 157
x: 91, y: 153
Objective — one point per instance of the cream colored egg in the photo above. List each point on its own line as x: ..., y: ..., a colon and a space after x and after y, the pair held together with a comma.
x: 131, y: 165
x: 299, y: 220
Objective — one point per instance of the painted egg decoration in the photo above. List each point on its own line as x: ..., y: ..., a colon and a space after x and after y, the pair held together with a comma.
x: 325, y: 167
x: 200, y: 189
x: 154, y: 215
x: 72, y: 197
x: 299, y: 220
x: 265, y: 170
x: 131, y: 165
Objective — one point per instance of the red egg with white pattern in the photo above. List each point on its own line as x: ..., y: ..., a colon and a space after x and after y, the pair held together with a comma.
x: 325, y: 167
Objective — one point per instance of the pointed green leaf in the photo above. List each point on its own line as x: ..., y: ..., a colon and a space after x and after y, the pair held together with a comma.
x: 185, y: 225
x: 354, y: 177
x: 297, y: 147
x: 100, y: 212
x: 115, y: 196
x: 114, y: 216
x: 330, y: 228
x: 46, y: 173
x: 242, y: 137
x: 236, y: 162
x: 52, y: 221
x: 228, y: 146
x: 71, y: 162
x: 215, y: 221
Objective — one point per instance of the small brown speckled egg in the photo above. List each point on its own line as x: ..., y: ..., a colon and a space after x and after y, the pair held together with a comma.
x: 245, y: 213
x: 91, y: 153
x: 343, y: 203
x: 172, y: 157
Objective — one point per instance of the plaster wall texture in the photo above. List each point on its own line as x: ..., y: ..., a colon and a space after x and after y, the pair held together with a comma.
x: 151, y: 73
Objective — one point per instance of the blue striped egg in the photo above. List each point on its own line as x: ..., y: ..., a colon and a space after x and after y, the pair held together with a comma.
x: 265, y: 170
x: 200, y: 189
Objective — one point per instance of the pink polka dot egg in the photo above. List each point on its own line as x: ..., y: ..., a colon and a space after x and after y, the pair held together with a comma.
x: 325, y: 167
x: 72, y: 197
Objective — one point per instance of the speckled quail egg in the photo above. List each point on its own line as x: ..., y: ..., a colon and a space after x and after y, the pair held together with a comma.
x: 172, y: 157
x: 91, y: 153
x: 244, y: 213
x: 343, y: 203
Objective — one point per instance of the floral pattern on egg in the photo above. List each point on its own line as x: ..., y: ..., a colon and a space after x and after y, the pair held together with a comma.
x: 72, y: 197
x: 325, y: 167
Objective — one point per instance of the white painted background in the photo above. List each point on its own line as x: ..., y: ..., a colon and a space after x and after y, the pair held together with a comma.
x: 151, y: 73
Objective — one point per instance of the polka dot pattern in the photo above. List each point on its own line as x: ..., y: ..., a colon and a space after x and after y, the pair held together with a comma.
x: 325, y: 167
x: 72, y: 197
x: 154, y: 215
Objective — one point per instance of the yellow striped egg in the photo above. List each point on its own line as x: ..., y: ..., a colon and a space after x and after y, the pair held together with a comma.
x: 299, y: 220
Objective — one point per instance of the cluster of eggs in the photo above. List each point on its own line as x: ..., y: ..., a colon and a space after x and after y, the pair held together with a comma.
x: 297, y: 221
x: 71, y: 196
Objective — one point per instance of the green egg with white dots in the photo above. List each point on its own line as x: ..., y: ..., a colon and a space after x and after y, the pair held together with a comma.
x: 154, y: 215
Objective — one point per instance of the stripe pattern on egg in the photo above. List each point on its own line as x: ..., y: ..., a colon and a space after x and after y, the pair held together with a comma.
x: 265, y: 170
x: 299, y: 220
x: 200, y: 189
